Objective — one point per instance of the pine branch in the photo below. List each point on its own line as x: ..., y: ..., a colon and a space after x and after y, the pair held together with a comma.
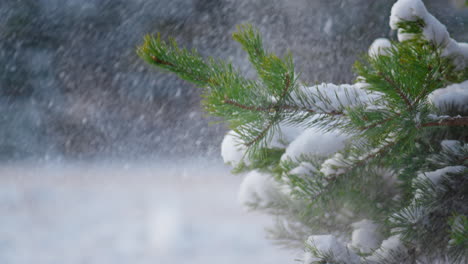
x: 386, y: 120
x: 431, y: 79
x: 357, y: 164
x: 451, y: 121
x: 161, y: 62
x: 261, y: 135
x: 277, y: 107
x: 287, y: 87
x: 248, y: 107
x: 382, y: 151
x: 188, y: 65
x: 398, y: 90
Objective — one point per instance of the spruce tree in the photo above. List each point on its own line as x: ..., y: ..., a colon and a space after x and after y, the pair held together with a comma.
x: 370, y: 172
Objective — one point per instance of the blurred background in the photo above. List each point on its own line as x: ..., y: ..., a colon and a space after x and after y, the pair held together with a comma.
x: 104, y: 159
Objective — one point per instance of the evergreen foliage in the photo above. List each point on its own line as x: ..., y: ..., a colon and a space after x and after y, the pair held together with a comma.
x: 397, y: 192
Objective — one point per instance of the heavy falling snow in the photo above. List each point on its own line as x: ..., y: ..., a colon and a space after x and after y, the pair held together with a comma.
x: 105, y: 160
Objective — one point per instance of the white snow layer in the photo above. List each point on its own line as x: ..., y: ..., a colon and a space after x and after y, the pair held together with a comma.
x: 329, y: 244
x: 450, y: 145
x: 284, y: 136
x: 379, y: 47
x: 454, y: 95
x: 232, y: 150
x: 304, y: 169
x: 315, y: 142
x: 391, y: 245
x: 365, y: 236
x: 433, y: 31
x: 258, y: 189
x: 337, y: 96
x: 436, y: 176
x: 334, y: 165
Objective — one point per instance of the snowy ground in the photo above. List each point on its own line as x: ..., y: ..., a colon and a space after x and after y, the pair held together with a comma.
x: 130, y: 213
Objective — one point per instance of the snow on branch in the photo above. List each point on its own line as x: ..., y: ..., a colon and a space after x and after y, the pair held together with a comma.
x: 452, y: 96
x: 327, y: 249
x: 432, y: 30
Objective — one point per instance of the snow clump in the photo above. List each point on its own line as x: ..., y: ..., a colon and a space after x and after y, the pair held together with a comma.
x: 454, y: 95
x: 365, y: 236
x: 328, y: 244
x: 313, y: 141
x: 380, y: 47
x: 389, y: 247
x: 258, y: 190
x: 333, y: 98
x: 232, y: 150
x: 436, y: 176
x: 433, y: 30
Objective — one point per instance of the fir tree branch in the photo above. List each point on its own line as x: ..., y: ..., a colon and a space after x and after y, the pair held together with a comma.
x: 287, y: 86
x: 161, y: 62
x: 451, y: 121
x: 276, y: 107
x: 361, y: 162
x: 324, y: 190
x: 261, y: 135
x: 386, y: 120
x: 331, y: 113
x: 398, y: 90
x: 248, y: 107
x: 430, y: 79
x: 383, y: 150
